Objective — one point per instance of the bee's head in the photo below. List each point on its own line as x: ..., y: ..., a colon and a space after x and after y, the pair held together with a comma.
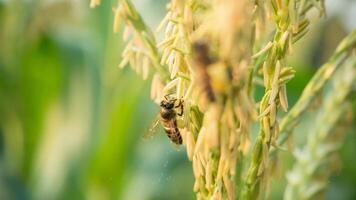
x: 167, y: 104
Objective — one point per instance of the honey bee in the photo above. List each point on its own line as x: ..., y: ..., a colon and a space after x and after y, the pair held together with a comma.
x: 168, y: 118
x: 202, y: 60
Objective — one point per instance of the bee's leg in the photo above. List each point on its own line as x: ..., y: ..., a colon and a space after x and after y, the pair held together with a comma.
x: 181, y: 106
x: 181, y: 111
x: 181, y: 101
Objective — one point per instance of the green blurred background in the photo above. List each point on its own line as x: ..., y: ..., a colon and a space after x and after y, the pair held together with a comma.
x: 72, y: 123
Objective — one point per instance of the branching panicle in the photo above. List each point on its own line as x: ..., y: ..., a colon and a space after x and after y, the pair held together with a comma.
x: 212, y: 56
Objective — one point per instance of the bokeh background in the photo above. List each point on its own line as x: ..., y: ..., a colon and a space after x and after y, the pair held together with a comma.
x: 72, y: 123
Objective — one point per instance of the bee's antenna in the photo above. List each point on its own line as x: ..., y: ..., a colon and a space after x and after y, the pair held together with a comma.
x: 166, y: 97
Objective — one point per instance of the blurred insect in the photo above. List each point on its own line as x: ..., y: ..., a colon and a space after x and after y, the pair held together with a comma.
x: 168, y: 119
x: 202, y: 60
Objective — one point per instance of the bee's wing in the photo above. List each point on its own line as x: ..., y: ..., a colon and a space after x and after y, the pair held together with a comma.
x: 152, y: 130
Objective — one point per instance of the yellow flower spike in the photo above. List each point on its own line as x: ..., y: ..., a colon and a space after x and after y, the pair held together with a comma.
x: 117, y: 17
x: 266, y: 128
x: 273, y: 112
x: 283, y: 98
x: 190, y: 143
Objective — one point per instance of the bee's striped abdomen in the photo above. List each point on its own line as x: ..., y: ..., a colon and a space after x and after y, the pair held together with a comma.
x: 172, y: 131
x: 169, y: 121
